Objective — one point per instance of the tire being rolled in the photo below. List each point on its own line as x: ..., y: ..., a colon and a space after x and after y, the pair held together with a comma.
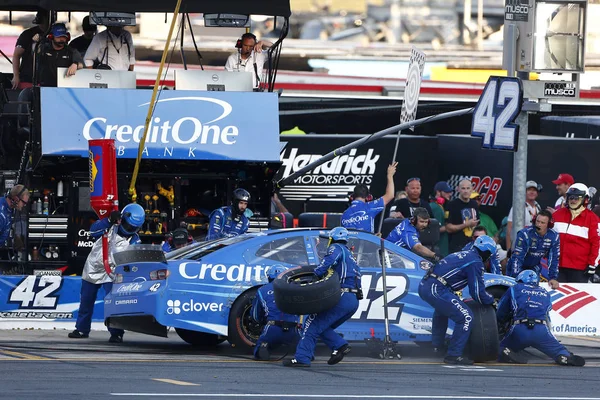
x: 484, y: 342
x: 299, y: 291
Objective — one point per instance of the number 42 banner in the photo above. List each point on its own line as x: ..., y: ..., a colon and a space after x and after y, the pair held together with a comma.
x: 495, y: 113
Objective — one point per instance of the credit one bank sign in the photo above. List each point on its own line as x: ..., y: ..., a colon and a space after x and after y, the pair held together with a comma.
x: 185, y: 125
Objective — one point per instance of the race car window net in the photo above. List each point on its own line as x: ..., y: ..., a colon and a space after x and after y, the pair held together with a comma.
x: 290, y: 250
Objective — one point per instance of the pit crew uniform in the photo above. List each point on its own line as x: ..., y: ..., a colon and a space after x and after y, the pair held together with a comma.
x: 280, y: 328
x: 494, y: 260
x: 437, y: 288
x: 404, y: 235
x: 6, y: 220
x: 530, y: 248
x: 224, y: 224
x: 361, y: 215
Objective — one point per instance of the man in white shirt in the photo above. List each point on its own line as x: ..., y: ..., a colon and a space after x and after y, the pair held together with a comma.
x: 112, y: 47
x: 532, y: 208
x: 248, y: 55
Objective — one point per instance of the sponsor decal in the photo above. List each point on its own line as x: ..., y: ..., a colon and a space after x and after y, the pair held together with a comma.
x: 36, y: 292
x: 487, y: 186
x: 85, y: 239
x: 47, y: 272
x: 154, y: 287
x: 220, y: 272
x: 356, y: 218
x: 126, y: 301
x: 516, y: 10
x: 566, y: 300
x: 560, y: 89
x: 371, y: 306
x: 571, y: 328
x: 465, y: 312
x: 36, y: 315
x: 177, y: 307
x: 129, y: 287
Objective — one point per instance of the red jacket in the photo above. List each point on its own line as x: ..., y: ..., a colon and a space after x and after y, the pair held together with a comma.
x: 579, y: 240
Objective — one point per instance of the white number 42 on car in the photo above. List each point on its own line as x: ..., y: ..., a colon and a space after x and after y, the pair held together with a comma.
x: 495, y: 113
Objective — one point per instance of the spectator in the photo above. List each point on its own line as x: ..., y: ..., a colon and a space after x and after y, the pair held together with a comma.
x: 111, y: 49
x: 485, y: 220
x: 55, y: 54
x: 22, y: 62
x: 406, y: 234
x: 493, y: 263
x: 579, y: 241
x: 81, y: 43
x: 463, y: 216
x: 532, y: 208
x: 363, y: 210
x: 404, y: 208
x: 442, y: 193
x: 562, y: 185
x: 249, y: 57
x: 400, y: 194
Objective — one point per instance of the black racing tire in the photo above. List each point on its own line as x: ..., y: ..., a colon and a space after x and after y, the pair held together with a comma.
x: 484, y: 342
x: 199, y: 339
x: 243, y: 330
x: 299, y: 291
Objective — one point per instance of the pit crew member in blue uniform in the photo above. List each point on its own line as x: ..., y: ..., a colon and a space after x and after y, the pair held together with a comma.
x: 534, y: 243
x: 16, y: 200
x: 437, y: 288
x: 103, y: 225
x: 363, y: 209
x: 527, y: 307
x: 230, y: 221
x: 94, y: 275
x: 494, y: 261
x: 406, y: 233
x: 280, y: 328
x: 177, y: 239
x: 322, y: 325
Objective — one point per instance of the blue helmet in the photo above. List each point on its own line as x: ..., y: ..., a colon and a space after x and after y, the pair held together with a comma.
x: 485, y: 243
x: 339, y: 234
x: 528, y: 276
x: 133, y: 217
x: 274, y: 271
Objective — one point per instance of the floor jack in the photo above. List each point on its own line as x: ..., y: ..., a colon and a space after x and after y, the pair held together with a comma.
x: 386, y: 348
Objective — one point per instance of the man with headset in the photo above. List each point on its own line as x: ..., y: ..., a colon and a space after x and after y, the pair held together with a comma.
x: 230, y: 221
x: 111, y: 49
x: 534, y: 243
x: 406, y: 233
x: 249, y: 57
x: 363, y: 209
x: 56, y: 53
x: 16, y: 200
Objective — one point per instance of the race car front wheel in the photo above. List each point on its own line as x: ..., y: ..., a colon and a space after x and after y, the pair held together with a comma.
x: 243, y: 330
x: 199, y: 339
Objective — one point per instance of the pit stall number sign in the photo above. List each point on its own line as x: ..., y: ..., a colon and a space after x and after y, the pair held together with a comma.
x: 495, y: 113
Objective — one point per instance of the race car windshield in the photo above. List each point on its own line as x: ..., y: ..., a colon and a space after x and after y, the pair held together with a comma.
x: 198, y: 250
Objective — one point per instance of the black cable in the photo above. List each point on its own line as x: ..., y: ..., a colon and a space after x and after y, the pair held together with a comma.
x: 194, y: 42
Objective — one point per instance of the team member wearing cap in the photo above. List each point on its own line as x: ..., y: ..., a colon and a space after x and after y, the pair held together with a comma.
x: 81, y: 43
x: 532, y: 208
x: 177, y: 239
x: 563, y: 182
x: 56, y: 53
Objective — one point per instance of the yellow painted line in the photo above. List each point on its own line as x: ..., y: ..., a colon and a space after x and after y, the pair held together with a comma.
x: 174, y: 382
x: 22, y: 356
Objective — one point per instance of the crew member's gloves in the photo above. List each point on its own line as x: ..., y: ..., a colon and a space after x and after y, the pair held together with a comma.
x: 437, y: 257
x: 114, y: 217
x: 591, y: 270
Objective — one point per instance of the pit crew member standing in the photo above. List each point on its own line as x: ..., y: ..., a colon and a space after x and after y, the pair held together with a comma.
x: 362, y: 211
x: 230, y: 221
x: 437, y: 288
x: 94, y: 275
x: 534, y: 243
x: 323, y: 324
x: 527, y: 307
x: 579, y: 241
x: 280, y: 328
x: 406, y: 233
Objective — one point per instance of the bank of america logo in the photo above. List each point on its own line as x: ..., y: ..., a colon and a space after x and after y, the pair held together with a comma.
x: 566, y: 300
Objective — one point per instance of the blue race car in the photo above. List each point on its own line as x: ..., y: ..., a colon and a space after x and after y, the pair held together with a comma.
x: 205, y: 290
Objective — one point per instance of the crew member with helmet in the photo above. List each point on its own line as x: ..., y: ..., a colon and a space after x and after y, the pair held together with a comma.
x: 363, y: 209
x: 534, y: 243
x: 527, y: 307
x: 406, y: 233
x: 56, y: 53
x: 122, y: 232
x: 323, y: 325
x: 579, y: 241
x: 177, y: 239
x: 438, y: 288
x: 230, y: 221
x: 280, y: 328
x: 494, y: 261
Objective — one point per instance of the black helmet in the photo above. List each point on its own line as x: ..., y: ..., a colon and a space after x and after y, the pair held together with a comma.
x: 239, y: 194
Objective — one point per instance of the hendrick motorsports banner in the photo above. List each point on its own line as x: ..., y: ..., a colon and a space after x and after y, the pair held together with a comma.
x: 185, y: 125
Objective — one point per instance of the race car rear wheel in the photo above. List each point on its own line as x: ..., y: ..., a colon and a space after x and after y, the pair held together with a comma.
x: 200, y: 339
x: 243, y: 330
x: 299, y: 291
x: 484, y: 343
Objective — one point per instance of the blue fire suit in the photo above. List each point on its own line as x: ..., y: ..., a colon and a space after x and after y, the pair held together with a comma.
x: 280, y: 328
x: 323, y: 324
x: 530, y: 248
x: 437, y: 288
x: 494, y: 260
x: 361, y: 215
x: 525, y: 301
x: 223, y: 224
x: 404, y: 235
x: 102, y: 225
x: 6, y: 220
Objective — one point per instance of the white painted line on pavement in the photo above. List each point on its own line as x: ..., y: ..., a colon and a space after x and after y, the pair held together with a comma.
x: 174, y: 382
x: 345, y: 396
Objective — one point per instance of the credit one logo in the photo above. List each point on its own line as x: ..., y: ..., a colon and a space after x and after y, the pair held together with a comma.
x: 220, y: 272
x: 176, y: 306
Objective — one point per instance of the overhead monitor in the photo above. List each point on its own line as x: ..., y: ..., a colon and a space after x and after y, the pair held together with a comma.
x: 218, y: 81
x: 97, y: 78
x: 112, y: 18
x: 227, y: 20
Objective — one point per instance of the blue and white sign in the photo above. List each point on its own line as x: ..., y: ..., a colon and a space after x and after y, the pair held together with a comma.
x: 185, y: 125
x: 495, y: 113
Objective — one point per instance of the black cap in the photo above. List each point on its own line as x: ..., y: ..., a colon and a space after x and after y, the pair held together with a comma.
x: 87, y: 26
x: 40, y: 17
x: 180, y: 236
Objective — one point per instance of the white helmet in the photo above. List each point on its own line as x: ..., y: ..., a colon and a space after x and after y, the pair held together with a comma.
x: 578, y: 189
